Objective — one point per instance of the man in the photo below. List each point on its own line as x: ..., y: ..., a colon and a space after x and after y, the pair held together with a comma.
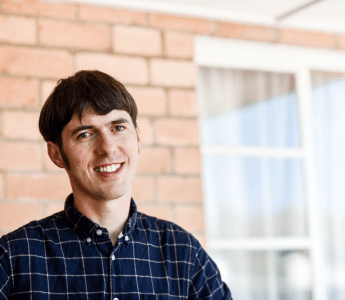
x: 100, y: 246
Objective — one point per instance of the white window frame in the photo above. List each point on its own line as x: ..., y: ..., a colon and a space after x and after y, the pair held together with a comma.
x: 300, y: 61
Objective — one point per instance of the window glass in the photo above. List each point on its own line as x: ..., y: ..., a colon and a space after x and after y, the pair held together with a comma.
x: 253, y: 197
x: 248, y: 108
x: 248, y: 198
x: 264, y: 275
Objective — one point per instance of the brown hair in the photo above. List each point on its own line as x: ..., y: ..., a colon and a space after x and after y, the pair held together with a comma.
x: 85, y: 89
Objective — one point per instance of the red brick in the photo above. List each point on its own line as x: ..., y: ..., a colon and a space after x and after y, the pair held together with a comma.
x: 26, y: 129
x: 111, y: 15
x: 146, y: 131
x: 35, y: 62
x: 137, y: 40
x: 74, y: 35
x: 11, y: 30
x: 14, y: 215
x: 47, y: 87
x: 183, y: 103
x: 16, y: 92
x: 41, y: 8
x: 183, y: 24
x: 190, y: 217
x: 19, y: 156
x: 150, y: 101
x: 154, y: 161
x: 143, y: 189
x: 54, y: 208
x: 5, y: 231
x: 341, y: 41
x: 187, y: 161
x: 38, y: 186
x: 2, y: 189
x: 131, y: 70
x: 172, y: 73
x: 179, y: 189
x: 176, y: 132
x: 248, y: 32
x: 307, y: 38
x: 158, y: 211
x: 179, y: 44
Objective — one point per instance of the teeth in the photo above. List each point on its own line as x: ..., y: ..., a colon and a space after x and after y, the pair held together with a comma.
x: 111, y: 168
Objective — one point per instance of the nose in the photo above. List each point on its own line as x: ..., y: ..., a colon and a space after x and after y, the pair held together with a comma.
x: 106, y: 144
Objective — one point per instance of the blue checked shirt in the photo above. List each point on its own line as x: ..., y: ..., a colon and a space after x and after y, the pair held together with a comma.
x: 67, y: 256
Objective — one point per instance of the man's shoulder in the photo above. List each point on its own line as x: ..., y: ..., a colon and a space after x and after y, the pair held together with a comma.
x: 34, y: 230
x: 155, y: 223
x: 165, y: 230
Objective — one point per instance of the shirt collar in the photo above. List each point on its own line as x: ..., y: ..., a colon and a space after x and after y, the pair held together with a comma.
x: 87, y: 228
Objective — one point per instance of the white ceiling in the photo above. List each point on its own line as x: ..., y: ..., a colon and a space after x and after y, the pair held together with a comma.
x: 325, y: 15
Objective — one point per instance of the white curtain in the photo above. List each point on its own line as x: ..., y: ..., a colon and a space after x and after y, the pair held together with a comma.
x: 328, y: 98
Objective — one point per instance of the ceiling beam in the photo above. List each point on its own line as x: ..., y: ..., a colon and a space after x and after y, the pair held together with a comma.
x: 296, y: 10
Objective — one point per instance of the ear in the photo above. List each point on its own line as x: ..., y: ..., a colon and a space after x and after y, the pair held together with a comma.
x: 138, y: 137
x: 55, y: 155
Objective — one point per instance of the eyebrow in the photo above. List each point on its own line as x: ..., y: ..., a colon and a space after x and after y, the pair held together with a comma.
x: 119, y: 121
x: 84, y: 127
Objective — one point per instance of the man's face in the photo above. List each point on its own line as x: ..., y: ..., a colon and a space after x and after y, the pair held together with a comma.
x: 103, y: 152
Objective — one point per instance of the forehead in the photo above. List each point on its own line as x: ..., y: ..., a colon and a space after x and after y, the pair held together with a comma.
x: 90, y: 117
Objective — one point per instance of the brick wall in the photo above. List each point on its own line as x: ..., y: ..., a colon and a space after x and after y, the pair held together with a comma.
x: 151, y: 54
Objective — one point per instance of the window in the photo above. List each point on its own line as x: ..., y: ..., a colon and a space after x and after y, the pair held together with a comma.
x: 272, y: 141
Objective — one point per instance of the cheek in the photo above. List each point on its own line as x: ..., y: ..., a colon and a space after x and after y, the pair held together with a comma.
x: 134, y: 149
x: 129, y: 146
x: 131, y: 151
x: 79, y: 160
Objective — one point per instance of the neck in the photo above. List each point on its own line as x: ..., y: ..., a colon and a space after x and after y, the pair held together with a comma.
x: 109, y: 214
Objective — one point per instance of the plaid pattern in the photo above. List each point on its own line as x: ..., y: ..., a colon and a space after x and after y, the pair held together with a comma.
x: 67, y: 256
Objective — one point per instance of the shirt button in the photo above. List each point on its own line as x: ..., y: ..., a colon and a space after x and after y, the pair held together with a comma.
x: 113, y: 257
x: 99, y: 232
x: 126, y: 238
x: 88, y: 240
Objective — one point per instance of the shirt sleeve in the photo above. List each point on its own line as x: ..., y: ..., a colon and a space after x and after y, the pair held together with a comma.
x: 206, y: 282
x: 4, y: 274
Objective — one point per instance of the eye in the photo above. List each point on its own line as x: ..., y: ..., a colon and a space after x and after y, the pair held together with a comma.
x: 83, y: 135
x: 119, y: 128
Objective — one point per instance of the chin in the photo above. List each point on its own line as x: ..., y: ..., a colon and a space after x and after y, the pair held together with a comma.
x: 111, y: 195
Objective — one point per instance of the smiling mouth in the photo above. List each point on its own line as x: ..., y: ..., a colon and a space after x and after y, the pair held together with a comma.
x: 108, y: 169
